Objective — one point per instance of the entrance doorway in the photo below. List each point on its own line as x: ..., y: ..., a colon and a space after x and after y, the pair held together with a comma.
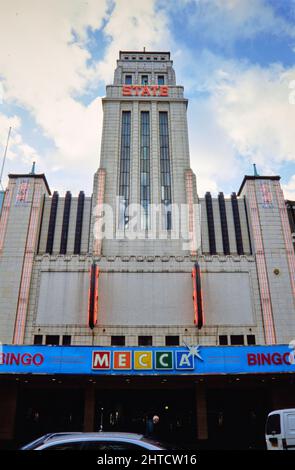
x: 41, y: 411
x: 236, y: 418
x: 133, y: 410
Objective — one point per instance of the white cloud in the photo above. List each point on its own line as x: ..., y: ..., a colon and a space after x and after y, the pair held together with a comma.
x: 223, y: 21
x: 133, y: 25
x: 253, y: 108
x: 44, y: 65
x: 18, y: 151
x: 213, y: 156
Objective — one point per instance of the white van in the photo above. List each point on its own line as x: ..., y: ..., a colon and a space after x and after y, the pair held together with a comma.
x: 280, y: 430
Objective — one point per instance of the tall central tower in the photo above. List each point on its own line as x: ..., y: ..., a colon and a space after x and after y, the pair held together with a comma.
x: 145, y: 156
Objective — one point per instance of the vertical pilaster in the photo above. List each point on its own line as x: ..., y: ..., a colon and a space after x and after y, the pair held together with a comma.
x: 266, y: 305
x: 21, y: 313
x: 19, y: 235
x: 97, y: 227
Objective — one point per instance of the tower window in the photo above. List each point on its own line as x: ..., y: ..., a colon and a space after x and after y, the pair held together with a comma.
x: 145, y: 189
x: 124, y: 182
x: 161, y: 80
x: 128, y: 79
x: 144, y: 80
x: 166, y: 198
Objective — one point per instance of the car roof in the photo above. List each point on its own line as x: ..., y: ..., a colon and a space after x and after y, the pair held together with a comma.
x: 282, y: 411
x: 126, y: 435
x: 92, y: 435
x: 64, y: 436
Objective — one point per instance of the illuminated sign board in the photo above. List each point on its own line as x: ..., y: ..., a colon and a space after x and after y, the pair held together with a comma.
x: 191, y: 360
x: 145, y: 90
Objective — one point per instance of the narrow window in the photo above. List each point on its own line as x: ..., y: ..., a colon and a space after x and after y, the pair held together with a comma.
x: 166, y: 197
x: 251, y: 340
x: 237, y: 222
x: 52, y: 222
x: 79, y: 223
x: 38, y: 339
x: 161, y: 80
x: 144, y: 80
x: 124, y: 183
x: 224, y: 227
x: 145, y: 189
x: 210, y: 222
x: 66, y: 340
x: 128, y: 79
x: 223, y: 341
x: 65, y: 224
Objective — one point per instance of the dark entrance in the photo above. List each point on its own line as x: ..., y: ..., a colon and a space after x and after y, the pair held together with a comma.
x: 236, y: 418
x: 46, y: 410
x: 133, y: 410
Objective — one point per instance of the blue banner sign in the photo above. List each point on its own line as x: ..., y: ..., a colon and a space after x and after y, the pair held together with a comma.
x: 193, y: 360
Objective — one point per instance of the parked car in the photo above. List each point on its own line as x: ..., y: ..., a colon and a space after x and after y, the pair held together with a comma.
x: 97, y: 441
x: 280, y: 430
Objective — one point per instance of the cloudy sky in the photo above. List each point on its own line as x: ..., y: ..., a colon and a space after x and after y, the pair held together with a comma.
x: 235, y: 58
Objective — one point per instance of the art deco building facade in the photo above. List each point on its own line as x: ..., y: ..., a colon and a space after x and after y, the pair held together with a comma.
x: 229, y: 279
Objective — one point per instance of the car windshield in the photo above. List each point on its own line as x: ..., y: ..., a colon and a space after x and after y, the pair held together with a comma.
x: 41, y: 440
x: 35, y: 443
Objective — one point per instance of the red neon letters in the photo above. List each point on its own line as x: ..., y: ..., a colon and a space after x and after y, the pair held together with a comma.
x: 261, y: 359
x: 144, y: 90
x: 18, y: 359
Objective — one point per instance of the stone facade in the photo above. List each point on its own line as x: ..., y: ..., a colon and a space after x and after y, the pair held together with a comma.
x: 145, y: 285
